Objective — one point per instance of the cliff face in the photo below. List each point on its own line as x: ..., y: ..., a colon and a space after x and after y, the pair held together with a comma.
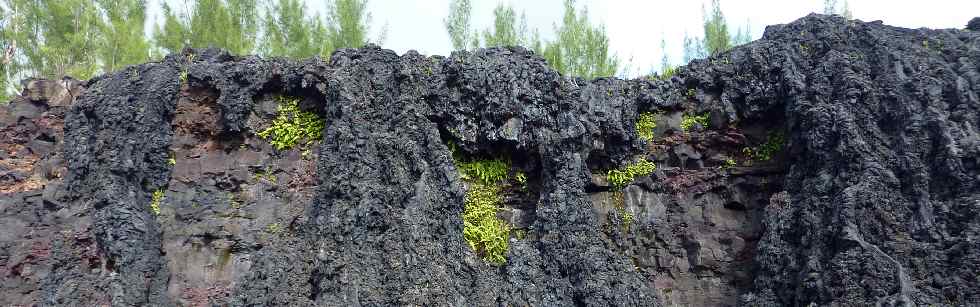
x: 831, y: 162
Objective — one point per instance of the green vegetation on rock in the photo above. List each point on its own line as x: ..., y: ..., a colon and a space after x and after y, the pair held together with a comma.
x: 155, y: 202
x: 645, y: 125
x: 729, y: 163
x: 521, y: 178
x: 765, y: 152
x: 293, y: 125
x: 486, y: 171
x: 665, y: 74
x: 483, y: 230
x: 620, y: 178
x: 619, y: 203
x: 688, y: 121
x: 274, y: 228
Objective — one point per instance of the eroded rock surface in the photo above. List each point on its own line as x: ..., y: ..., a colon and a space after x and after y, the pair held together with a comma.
x: 838, y: 163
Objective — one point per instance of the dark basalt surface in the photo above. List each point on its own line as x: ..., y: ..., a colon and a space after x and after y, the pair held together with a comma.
x: 873, y: 198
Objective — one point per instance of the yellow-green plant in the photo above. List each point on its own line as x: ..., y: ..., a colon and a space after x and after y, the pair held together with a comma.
x: 233, y: 201
x: 765, y: 152
x: 486, y: 171
x: 729, y: 163
x: 155, y: 202
x: 274, y: 228
x: 483, y: 230
x: 619, y: 203
x: 627, y: 218
x: 620, y: 178
x: 688, y: 121
x: 292, y: 125
x: 521, y: 178
x: 667, y: 72
x: 266, y: 174
x: 645, y: 125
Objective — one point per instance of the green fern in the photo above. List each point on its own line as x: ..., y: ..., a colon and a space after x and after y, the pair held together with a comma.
x: 688, y: 121
x: 645, y: 125
x: 292, y: 125
x: 766, y: 151
x: 486, y: 171
x: 620, y: 178
x: 483, y: 230
x: 155, y: 202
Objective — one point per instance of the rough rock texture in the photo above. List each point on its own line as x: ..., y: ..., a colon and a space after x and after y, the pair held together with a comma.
x: 873, y: 197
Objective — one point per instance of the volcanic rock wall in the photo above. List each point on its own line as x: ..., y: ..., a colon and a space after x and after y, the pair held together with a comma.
x: 868, y: 191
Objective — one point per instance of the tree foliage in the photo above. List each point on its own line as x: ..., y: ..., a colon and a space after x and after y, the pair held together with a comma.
x: 581, y: 49
x: 291, y: 33
x: 7, y: 61
x: 122, y: 41
x: 716, y: 37
x: 693, y: 48
x: 459, y: 27
x: 172, y: 35
x: 507, y: 29
x: 743, y: 35
x: 830, y: 8
x: 54, y: 38
x: 228, y: 24
x: 348, y: 25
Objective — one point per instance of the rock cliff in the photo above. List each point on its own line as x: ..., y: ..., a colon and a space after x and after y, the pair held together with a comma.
x: 832, y: 162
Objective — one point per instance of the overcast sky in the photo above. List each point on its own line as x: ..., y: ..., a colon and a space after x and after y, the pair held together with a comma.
x: 636, y: 27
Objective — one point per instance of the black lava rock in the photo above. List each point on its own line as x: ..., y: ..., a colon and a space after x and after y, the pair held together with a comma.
x: 879, y: 202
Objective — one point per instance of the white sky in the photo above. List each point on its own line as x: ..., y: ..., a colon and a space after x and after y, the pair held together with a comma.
x: 635, y: 27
